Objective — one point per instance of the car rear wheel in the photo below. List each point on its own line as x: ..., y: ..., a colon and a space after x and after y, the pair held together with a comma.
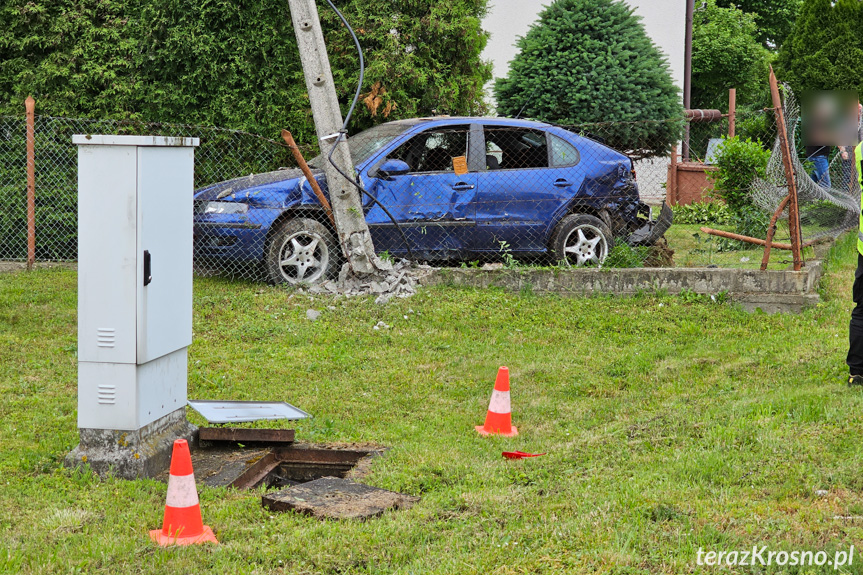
x: 301, y: 250
x: 581, y: 240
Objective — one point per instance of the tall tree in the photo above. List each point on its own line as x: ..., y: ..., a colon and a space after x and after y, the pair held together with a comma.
x: 589, y: 61
x: 726, y: 54
x: 774, y: 18
x: 824, y: 51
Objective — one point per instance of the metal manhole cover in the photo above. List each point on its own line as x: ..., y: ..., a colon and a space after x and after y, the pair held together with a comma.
x: 334, y: 498
x: 216, y: 411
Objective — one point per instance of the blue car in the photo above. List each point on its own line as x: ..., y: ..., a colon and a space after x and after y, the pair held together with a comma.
x: 447, y: 189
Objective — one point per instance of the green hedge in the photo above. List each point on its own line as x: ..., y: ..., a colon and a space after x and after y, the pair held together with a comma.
x: 235, y: 64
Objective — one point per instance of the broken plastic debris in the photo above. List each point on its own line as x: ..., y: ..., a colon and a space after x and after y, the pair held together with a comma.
x: 520, y: 454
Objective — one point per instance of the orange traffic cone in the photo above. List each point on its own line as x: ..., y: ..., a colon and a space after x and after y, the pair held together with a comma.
x: 498, y: 421
x: 183, y: 524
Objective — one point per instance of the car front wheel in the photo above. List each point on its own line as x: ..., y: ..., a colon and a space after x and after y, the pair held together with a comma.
x: 581, y: 240
x: 301, y: 250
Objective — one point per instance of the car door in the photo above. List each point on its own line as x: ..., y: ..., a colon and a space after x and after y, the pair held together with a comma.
x: 433, y: 203
x: 530, y: 178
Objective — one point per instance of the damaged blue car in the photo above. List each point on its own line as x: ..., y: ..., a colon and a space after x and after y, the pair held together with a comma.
x: 446, y: 189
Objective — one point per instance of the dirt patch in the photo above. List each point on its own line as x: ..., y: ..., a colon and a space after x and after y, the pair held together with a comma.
x: 15, y: 266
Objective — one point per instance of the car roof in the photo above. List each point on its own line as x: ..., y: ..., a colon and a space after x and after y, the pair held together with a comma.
x: 450, y: 120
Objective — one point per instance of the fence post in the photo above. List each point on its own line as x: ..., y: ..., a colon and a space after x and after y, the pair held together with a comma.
x: 671, y: 181
x: 732, y: 111
x: 30, y: 107
x: 785, y: 147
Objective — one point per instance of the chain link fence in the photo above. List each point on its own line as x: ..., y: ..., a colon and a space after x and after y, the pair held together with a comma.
x: 486, y: 192
x: 223, y: 154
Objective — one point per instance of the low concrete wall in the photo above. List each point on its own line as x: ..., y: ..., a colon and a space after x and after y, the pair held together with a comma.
x: 771, y: 291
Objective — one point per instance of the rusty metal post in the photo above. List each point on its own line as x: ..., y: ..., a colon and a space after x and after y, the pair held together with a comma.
x: 771, y: 231
x: 30, y: 108
x: 732, y: 110
x: 671, y: 183
x: 301, y: 161
x: 748, y: 239
x: 785, y: 146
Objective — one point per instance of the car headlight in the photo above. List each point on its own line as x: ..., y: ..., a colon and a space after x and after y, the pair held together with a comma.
x: 224, y: 208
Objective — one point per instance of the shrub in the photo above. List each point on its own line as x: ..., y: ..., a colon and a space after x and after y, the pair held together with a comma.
x: 716, y: 213
x: 623, y: 255
x: 739, y: 162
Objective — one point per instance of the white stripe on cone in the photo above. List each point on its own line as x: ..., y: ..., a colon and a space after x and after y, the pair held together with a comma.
x: 182, y: 491
x: 499, y: 402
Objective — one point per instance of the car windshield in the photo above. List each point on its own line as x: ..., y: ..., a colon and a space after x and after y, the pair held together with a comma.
x: 367, y: 142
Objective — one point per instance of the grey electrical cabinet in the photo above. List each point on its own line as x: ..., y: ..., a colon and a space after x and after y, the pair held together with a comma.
x: 134, y: 278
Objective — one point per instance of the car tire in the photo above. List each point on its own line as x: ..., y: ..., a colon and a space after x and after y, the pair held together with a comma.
x: 580, y: 240
x: 302, y: 250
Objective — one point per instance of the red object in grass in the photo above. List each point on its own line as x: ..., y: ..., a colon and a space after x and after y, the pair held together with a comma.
x: 520, y: 454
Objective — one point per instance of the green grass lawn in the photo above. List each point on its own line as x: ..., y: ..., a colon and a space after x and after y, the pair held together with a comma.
x: 694, y: 248
x: 671, y: 423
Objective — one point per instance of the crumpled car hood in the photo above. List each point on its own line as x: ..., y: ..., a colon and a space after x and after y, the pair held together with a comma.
x: 266, y: 188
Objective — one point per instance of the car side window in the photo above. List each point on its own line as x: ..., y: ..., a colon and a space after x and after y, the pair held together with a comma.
x: 563, y: 153
x: 514, y: 148
x: 433, y: 150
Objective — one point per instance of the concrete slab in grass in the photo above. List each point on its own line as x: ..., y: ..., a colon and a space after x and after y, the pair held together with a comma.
x: 771, y: 291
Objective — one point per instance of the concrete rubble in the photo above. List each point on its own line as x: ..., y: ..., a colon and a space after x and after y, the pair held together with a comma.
x: 400, y: 282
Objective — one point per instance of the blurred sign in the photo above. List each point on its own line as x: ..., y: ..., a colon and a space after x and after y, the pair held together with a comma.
x: 459, y: 165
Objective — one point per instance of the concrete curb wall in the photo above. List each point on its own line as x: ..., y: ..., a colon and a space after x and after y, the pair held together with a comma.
x: 771, y: 291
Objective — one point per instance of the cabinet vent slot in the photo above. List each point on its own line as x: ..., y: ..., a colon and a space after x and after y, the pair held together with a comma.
x: 105, y: 337
x: 107, y: 394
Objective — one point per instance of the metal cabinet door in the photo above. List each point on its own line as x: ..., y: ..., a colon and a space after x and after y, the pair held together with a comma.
x: 165, y: 187
x: 107, y: 240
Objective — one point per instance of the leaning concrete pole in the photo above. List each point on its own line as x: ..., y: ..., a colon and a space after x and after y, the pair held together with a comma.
x: 345, y: 198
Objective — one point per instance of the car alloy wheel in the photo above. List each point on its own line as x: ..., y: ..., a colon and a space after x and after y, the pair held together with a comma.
x: 585, y: 245
x: 303, y: 257
x: 301, y: 251
x: 581, y: 240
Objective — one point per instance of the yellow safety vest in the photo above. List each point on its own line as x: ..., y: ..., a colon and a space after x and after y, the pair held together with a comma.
x: 858, y: 167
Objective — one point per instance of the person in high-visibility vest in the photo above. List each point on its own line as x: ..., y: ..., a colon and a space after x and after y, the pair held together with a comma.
x: 855, y: 329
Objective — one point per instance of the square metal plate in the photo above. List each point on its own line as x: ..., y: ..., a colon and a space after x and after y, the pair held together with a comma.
x: 216, y: 411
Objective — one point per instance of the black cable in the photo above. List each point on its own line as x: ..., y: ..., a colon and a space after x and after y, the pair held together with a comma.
x: 344, y: 130
x: 517, y: 116
x: 362, y: 64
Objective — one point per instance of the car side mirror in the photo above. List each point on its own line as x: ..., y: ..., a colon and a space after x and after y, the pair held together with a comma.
x: 393, y: 168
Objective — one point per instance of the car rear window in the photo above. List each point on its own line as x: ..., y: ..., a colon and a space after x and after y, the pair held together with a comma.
x: 563, y: 153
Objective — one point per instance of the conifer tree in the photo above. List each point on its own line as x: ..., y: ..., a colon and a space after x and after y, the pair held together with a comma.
x: 587, y: 61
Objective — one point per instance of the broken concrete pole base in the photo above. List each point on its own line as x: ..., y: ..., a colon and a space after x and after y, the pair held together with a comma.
x: 360, y: 246
x: 145, y: 452
x: 401, y: 280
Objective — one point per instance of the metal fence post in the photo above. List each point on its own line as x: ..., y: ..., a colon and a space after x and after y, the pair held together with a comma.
x: 785, y: 147
x: 732, y: 111
x: 30, y: 107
